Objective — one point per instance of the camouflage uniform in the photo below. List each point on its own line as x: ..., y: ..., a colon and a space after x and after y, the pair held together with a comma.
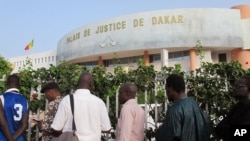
x: 47, y: 132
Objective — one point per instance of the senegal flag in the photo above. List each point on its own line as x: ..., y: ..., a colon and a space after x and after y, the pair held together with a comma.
x: 30, y: 45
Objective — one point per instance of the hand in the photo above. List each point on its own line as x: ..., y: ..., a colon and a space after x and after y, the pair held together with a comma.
x: 36, y: 120
x: 108, y: 131
x: 38, y: 123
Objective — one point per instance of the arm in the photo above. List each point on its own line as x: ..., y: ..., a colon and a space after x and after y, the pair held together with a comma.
x: 3, y: 124
x: 23, y: 126
x: 61, y: 115
x: 105, y: 121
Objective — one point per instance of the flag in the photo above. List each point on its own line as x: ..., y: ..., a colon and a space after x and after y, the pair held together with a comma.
x: 30, y: 45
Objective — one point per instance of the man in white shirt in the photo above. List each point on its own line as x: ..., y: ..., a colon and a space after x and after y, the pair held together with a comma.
x: 90, y: 113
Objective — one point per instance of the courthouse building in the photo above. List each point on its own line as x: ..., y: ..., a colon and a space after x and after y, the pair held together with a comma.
x: 161, y: 38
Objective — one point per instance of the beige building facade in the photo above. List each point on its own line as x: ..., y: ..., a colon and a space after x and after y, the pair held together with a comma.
x: 161, y: 38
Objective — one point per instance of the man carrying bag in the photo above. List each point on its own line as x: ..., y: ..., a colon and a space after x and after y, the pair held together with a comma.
x: 90, y: 113
x: 69, y: 136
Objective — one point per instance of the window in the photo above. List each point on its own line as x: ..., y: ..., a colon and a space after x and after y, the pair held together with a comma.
x: 89, y: 64
x: 223, y: 57
x: 125, y: 60
x: 154, y: 58
x: 179, y: 55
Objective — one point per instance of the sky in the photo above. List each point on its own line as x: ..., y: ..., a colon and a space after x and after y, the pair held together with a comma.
x: 47, y: 21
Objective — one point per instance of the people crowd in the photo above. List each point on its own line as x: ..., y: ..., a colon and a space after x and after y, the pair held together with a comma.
x: 184, y: 119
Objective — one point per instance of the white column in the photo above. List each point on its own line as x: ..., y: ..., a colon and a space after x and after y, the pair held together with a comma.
x: 164, y: 57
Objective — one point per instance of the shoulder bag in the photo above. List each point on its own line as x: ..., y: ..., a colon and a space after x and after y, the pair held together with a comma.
x: 69, y: 136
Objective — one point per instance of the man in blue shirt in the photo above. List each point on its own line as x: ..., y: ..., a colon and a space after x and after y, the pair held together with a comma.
x: 184, y: 120
x: 15, y: 108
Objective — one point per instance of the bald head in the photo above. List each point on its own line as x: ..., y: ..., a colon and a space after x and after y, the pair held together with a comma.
x: 127, y: 91
x: 130, y: 88
x: 85, y: 81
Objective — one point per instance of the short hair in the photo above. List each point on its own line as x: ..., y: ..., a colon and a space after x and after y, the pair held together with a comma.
x: 50, y: 85
x: 177, y: 82
x: 13, y: 80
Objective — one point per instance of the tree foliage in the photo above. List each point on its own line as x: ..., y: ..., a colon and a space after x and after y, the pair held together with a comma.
x: 6, y: 68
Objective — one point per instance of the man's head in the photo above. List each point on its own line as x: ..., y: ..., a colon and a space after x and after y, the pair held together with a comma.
x: 13, y: 81
x: 175, y: 86
x: 51, y: 91
x: 127, y: 91
x: 85, y: 81
x: 241, y: 88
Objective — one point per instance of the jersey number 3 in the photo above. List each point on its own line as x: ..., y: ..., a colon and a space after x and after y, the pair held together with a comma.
x: 19, y: 110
